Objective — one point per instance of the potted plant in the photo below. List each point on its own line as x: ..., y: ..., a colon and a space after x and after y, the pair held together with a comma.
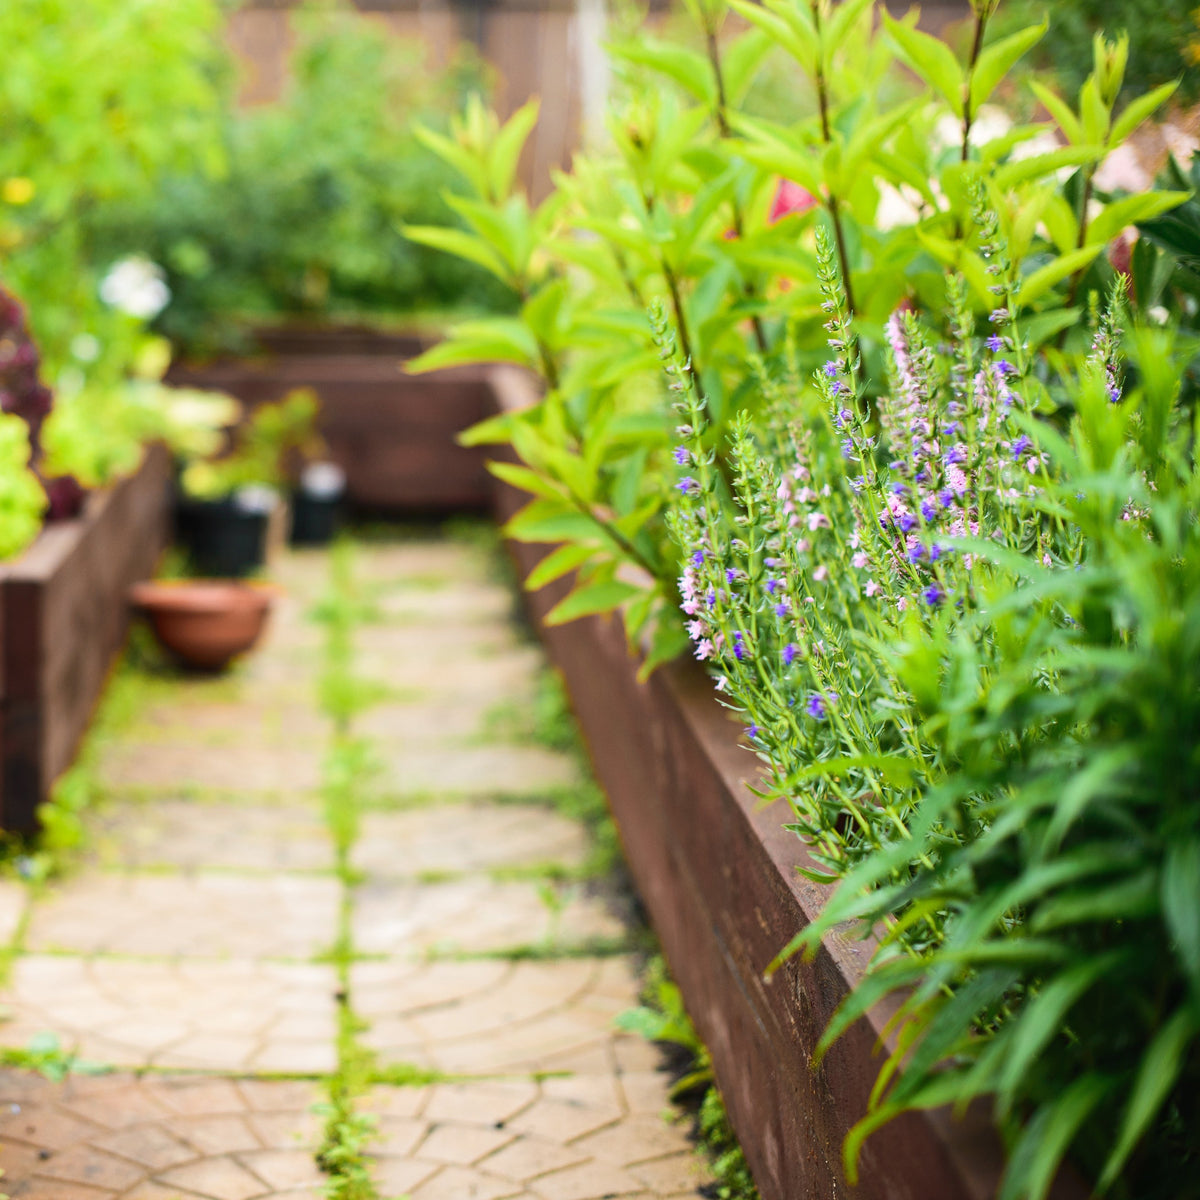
x: 231, y: 509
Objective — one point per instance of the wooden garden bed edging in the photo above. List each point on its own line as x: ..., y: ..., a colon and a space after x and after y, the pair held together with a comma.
x: 716, y: 872
x: 393, y: 434
x: 63, y: 617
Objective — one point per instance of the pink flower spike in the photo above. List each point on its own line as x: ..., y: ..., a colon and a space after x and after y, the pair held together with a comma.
x: 873, y: 589
x: 860, y: 560
x: 821, y: 573
x: 817, y: 521
x: 704, y: 650
x: 790, y: 198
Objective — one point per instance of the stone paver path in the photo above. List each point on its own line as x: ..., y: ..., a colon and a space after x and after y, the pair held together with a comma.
x: 232, y: 946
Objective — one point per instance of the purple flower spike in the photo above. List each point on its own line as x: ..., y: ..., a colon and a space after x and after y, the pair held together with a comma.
x: 731, y: 575
x: 928, y: 509
x: 933, y: 595
x: 1020, y: 446
x: 772, y: 586
x: 830, y: 369
x: 1004, y: 367
x: 740, y: 650
x: 907, y: 522
x: 956, y: 455
x: 752, y: 731
x: 816, y: 707
x: 995, y: 343
x: 789, y: 654
x: 682, y: 455
x: 781, y: 609
x: 688, y: 486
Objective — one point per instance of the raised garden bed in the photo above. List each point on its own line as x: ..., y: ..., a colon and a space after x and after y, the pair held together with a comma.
x: 392, y: 434
x: 63, y: 617
x: 717, y: 873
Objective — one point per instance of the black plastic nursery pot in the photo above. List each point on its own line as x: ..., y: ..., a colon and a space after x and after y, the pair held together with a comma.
x: 224, y: 538
x: 315, y: 519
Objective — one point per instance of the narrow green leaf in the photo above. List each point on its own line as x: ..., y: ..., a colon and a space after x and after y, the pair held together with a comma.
x: 1161, y: 1066
x: 506, y: 149
x: 1181, y: 904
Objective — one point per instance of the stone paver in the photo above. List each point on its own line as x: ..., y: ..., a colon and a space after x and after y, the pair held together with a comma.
x: 477, y: 771
x: 211, y: 1015
x: 203, y: 931
x: 156, y: 1136
x: 476, y: 915
x: 253, y: 837
x: 206, y: 915
x: 466, y: 837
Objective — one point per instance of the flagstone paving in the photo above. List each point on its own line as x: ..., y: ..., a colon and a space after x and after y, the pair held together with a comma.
x: 203, y: 949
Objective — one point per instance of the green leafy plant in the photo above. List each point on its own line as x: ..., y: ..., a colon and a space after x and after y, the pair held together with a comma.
x: 303, y: 221
x: 942, y: 614
x: 264, y: 445
x: 98, y: 99
x: 663, y: 1018
x: 712, y: 211
x: 22, y: 500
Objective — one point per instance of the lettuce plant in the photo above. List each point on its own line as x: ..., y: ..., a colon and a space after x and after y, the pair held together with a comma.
x: 712, y: 212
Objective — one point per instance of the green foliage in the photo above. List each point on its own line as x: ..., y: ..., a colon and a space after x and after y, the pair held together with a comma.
x: 304, y: 219
x: 265, y: 445
x: 1160, y: 33
x: 710, y: 210
x: 968, y: 653
x: 662, y: 1018
x: 22, y: 500
x: 98, y: 100
x: 45, y: 1055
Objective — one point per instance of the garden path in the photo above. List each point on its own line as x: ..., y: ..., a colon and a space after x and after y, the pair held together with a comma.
x: 331, y: 883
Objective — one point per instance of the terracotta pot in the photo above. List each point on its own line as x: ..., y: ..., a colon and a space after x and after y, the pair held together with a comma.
x: 204, y: 622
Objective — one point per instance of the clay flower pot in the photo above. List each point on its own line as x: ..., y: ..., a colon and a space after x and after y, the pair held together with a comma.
x: 204, y: 622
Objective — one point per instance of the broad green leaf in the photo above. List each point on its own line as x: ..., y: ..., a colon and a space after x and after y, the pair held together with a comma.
x: 841, y: 25
x: 462, y: 244
x: 506, y: 149
x: 1060, y: 110
x: 524, y: 478
x: 740, y: 63
x: 541, y: 521
x: 460, y: 157
x: 1131, y: 210
x: 932, y: 59
x: 1136, y: 111
x: 692, y: 71
x: 590, y: 599
x: 556, y: 564
x: 998, y: 59
x: 495, y: 339
x: 1044, y: 278
x: 491, y: 431
x: 1013, y: 174
x: 798, y: 41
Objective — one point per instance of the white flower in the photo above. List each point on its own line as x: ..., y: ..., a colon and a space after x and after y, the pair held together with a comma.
x: 136, y: 286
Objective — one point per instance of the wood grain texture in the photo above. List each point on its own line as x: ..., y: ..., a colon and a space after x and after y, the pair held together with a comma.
x: 64, y: 620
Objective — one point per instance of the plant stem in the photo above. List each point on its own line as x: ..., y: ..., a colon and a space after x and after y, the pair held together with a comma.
x: 831, y: 203
x: 981, y: 19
